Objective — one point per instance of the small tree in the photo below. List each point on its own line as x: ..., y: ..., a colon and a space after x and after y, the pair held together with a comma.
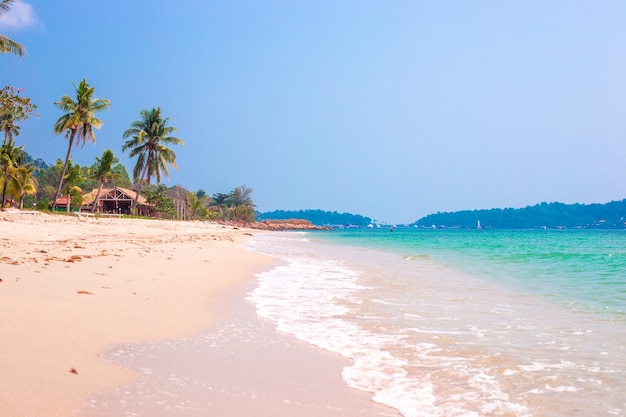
x: 102, y: 171
x: 10, y: 159
x: 22, y: 183
x: 72, y: 177
x: 13, y: 109
x: 195, y: 204
x: 157, y: 196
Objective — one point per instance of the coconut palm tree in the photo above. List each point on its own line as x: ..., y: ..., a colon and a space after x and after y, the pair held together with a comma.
x: 22, y: 182
x: 103, y: 172
x: 73, y: 176
x: 78, y: 122
x: 6, y: 44
x: 148, y: 139
x: 10, y: 157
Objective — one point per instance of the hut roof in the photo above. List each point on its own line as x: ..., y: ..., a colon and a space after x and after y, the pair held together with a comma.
x: 115, y: 193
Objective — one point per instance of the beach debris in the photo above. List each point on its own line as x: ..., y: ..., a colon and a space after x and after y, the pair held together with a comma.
x: 84, y: 292
x: 74, y: 371
x: 9, y: 260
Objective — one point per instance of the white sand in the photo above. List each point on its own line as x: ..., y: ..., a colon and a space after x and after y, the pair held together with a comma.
x: 73, y: 287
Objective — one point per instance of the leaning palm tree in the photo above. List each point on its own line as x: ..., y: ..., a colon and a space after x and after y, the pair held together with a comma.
x: 22, y: 182
x: 148, y: 139
x: 103, y: 172
x: 6, y: 44
x: 78, y: 122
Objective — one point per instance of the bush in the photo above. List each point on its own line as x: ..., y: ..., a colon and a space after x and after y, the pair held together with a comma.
x: 43, y: 205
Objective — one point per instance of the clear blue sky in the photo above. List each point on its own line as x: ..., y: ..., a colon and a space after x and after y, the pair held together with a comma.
x: 390, y: 109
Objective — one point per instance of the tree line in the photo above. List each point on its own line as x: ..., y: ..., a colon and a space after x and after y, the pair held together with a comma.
x: 610, y: 215
x: 34, y: 183
x: 317, y: 217
x: 28, y: 182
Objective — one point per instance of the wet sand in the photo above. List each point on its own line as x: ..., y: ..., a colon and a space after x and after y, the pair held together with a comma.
x: 84, y: 300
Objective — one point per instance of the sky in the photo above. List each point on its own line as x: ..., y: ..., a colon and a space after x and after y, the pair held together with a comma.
x: 388, y: 109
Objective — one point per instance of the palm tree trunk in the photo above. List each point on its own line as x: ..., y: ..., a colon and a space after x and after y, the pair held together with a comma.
x: 67, y: 208
x: 4, y: 190
x: 139, y: 187
x: 67, y: 160
x: 95, y: 201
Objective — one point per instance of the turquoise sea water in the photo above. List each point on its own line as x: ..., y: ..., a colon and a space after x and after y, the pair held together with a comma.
x: 581, y: 268
x: 460, y: 322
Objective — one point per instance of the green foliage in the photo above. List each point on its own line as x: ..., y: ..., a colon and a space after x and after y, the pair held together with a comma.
x: 22, y: 183
x: 48, y: 178
x: 195, y: 207
x: 548, y: 215
x: 121, y: 176
x: 10, y: 159
x: 147, y: 140
x: 157, y: 196
x: 317, y: 217
x: 78, y: 121
x: 43, y: 204
x: 236, y: 205
x: 13, y: 109
x: 29, y: 201
x: 7, y: 44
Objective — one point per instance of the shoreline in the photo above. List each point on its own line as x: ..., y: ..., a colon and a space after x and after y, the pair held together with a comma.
x: 77, y: 289
x: 241, y: 365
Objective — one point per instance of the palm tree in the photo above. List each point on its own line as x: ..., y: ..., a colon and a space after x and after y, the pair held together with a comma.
x: 241, y: 196
x: 22, y: 182
x: 195, y: 205
x: 8, y: 126
x: 72, y: 177
x: 103, y: 171
x: 6, y: 44
x: 148, y: 139
x: 78, y: 121
x: 10, y: 157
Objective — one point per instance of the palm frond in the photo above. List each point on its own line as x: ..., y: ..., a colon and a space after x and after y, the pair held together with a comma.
x: 9, y: 45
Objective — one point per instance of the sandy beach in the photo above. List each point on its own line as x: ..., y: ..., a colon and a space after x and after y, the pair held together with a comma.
x: 74, y: 288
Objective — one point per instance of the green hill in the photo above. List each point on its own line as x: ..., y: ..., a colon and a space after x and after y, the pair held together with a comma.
x: 317, y: 217
x: 544, y: 215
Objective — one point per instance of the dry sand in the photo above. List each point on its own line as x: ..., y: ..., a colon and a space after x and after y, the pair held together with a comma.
x: 74, y: 288
x: 71, y: 287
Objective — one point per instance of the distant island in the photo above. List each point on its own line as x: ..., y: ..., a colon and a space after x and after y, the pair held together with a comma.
x: 544, y: 215
x: 317, y: 217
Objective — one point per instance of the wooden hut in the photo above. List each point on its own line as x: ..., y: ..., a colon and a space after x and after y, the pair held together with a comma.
x: 116, y: 200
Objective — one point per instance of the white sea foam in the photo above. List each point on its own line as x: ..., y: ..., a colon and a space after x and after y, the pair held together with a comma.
x: 425, y: 343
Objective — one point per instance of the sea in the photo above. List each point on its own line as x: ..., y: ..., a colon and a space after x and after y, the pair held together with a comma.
x: 443, y: 323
